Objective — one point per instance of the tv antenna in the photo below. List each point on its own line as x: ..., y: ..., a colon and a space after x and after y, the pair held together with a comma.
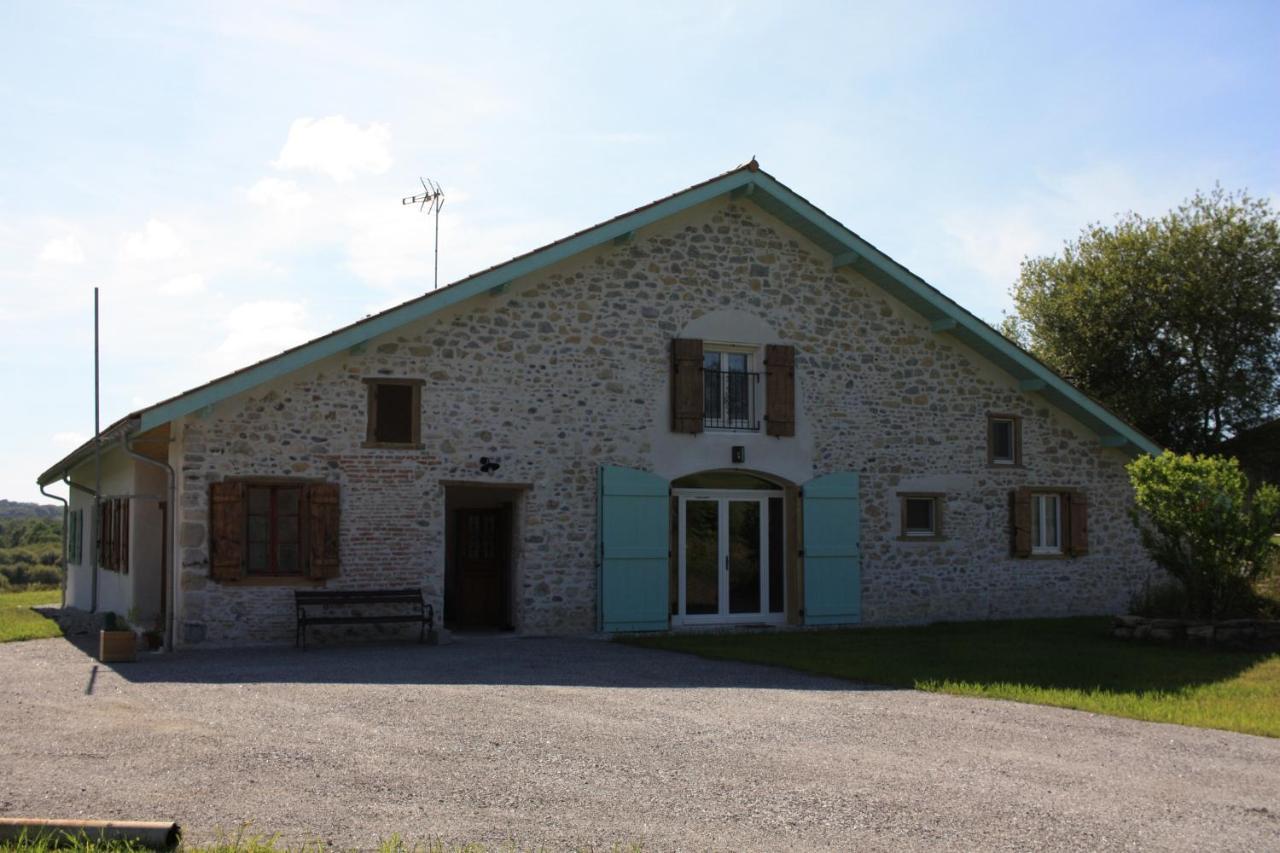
x: 431, y: 199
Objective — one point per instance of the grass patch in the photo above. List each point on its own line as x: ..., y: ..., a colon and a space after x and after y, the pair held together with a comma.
x: 1068, y: 663
x: 19, y: 622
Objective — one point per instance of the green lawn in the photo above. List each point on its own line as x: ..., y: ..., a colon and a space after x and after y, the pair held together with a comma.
x: 19, y: 622
x: 1070, y: 663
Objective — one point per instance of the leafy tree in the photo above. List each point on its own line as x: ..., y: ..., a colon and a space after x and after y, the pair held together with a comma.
x: 29, y: 531
x: 1172, y: 322
x: 1201, y: 525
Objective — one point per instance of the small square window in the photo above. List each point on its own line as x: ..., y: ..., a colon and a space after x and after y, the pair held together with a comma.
x: 921, y: 516
x: 1004, y: 440
x: 394, y: 413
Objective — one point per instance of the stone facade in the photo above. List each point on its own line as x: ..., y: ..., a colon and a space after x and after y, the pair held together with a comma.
x: 569, y: 370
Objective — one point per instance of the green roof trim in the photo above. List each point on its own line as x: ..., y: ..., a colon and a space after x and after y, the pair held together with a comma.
x: 748, y: 184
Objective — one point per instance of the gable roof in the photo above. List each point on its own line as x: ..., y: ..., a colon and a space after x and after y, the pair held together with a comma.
x: 747, y: 182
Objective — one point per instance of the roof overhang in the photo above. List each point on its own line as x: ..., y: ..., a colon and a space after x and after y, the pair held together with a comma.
x: 126, y: 426
x: 748, y: 183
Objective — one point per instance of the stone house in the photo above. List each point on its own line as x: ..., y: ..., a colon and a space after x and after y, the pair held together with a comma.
x: 723, y: 407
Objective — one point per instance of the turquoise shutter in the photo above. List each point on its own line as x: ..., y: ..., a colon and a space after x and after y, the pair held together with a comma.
x: 634, y: 514
x: 832, y: 564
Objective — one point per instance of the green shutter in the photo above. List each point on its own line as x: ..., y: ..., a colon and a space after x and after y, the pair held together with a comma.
x: 633, y: 533
x: 832, y: 563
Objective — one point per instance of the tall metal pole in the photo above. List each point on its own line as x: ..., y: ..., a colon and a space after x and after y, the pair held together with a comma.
x: 97, y: 459
x: 439, y: 205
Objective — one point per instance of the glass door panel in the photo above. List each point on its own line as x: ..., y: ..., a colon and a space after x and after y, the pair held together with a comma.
x: 702, y: 557
x: 744, y: 556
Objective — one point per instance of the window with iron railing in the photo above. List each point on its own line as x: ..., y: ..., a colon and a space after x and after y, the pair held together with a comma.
x: 730, y: 391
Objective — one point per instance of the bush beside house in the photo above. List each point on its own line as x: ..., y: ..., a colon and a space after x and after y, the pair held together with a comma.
x: 1214, y: 537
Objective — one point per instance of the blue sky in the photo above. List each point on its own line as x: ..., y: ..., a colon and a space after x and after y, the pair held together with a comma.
x: 229, y: 174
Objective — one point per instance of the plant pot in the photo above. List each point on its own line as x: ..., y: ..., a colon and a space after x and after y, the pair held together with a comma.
x: 117, y: 646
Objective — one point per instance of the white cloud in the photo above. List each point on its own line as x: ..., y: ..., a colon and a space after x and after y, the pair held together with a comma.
x: 183, y: 285
x: 68, y: 439
x: 993, y: 239
x: 263, y: 328
x: 157, y: 241
x: 278, y: 195
x: 336, y: 147
x: 994, y: 242
x: 63, y: 250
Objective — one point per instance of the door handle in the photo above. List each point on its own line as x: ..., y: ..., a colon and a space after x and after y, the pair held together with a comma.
x: 726, y: 562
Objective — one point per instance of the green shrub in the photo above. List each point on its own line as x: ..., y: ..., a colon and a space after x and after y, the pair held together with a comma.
x: 1199, y: 522
x: 44, y: 576
x: 29, y: 531
x: 1165, y: 599
x: 30, y: 575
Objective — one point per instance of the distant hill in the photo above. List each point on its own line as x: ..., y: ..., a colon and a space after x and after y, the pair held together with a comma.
x: 18, y: 509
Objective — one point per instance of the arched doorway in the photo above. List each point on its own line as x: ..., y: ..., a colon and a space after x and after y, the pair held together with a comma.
x: 729, y: 535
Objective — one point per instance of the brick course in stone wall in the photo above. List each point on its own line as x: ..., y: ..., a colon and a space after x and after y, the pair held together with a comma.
x: 564, y: 373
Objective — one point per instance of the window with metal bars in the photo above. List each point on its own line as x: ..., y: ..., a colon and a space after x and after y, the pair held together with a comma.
x: 730, y: 391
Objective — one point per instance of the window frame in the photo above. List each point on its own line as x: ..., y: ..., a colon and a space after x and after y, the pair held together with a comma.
x: 276, y: 484
x: 371, y: 413
x: 936, y: 533
x: 1038, y: 518
x: 1016, y: 439
x: 752, y: 354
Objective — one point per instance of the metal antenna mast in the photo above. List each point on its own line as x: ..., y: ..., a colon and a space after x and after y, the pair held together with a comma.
x: 431, y: 197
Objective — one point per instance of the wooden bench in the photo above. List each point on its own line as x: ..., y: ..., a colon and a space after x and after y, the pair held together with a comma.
x: 418, y: 609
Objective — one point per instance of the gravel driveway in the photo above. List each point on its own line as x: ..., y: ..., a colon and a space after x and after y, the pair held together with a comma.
x: 561, y: 743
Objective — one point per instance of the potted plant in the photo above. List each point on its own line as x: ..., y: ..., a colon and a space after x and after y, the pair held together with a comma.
x: 154, y: 638
x: 116, y: 642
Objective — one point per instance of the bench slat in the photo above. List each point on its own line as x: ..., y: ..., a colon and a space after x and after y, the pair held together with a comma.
x: 344, y: 620
x: 424, y: 613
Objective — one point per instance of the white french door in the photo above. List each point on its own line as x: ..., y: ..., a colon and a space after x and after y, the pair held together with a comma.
x: 725, y: 557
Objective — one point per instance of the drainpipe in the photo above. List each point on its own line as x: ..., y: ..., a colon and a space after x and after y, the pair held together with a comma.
x: 170, y: 542
x: 97, y: 458
x: 64, y: 543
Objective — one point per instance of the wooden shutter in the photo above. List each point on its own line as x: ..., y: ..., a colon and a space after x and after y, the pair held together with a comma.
x: 1077, y: 523
x: 323, y: 521
x: 1020, y: 502
x: 780, y: 390
x: 686, y: 385
x: 113, y: 534
x: 123, y: 544
x: 100, y: 535
x: 226, y: 530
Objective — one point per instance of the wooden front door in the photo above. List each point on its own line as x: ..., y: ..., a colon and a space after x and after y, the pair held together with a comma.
x: 483, y: 549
